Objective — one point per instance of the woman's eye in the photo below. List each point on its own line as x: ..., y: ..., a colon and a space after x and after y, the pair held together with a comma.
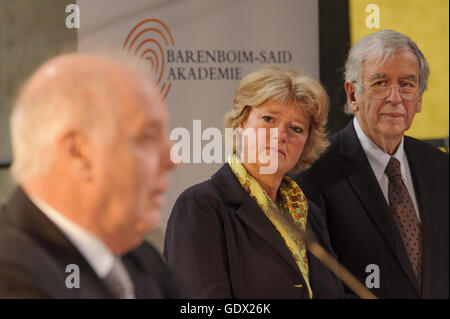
x: 297, y: 129
x: 267, y: 118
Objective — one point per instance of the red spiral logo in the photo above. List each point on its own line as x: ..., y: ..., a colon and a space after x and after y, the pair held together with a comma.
x: 146, y: 41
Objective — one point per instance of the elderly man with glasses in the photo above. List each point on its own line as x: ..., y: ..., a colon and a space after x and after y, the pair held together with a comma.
x: 385, y: 194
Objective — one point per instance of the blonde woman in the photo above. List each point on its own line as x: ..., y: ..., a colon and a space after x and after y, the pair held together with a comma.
x: 229, y: 237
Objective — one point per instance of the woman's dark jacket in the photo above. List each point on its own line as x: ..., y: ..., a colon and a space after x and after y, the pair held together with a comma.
x: 222, y: 245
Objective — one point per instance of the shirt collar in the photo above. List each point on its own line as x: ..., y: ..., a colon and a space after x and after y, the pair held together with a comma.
x: 96, y: 253
x: 377, y: 157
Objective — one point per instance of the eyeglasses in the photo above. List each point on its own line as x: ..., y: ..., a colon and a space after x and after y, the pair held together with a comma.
x: 409, y: 92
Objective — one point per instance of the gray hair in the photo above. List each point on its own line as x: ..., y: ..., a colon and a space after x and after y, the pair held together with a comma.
x: 381, y: 45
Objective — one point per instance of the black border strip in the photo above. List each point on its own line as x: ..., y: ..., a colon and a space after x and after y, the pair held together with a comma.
x: 334, y: 44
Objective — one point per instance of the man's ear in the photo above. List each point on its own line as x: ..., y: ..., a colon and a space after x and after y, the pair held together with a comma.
x: 419, y: 104
x: 351, y: 95
x: 74, y: 148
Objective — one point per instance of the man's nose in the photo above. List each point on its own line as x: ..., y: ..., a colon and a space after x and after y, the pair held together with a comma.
x: 394, y: 96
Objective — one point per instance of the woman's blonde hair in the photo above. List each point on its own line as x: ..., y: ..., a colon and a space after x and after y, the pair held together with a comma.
x: 273, y: 83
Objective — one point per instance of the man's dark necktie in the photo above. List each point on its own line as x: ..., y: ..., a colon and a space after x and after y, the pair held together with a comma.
x: 405, y: 217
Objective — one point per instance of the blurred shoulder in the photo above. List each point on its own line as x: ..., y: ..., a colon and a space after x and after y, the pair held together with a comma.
x: 27, y: 269
x: 149, y: 259
x: 147, y: 250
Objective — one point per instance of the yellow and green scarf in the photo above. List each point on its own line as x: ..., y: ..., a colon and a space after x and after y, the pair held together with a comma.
x: 292, y: 200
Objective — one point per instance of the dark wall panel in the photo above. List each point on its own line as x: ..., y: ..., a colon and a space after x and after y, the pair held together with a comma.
x: 334, y: 32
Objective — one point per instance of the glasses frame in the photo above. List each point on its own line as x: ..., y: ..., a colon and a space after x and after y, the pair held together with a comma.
x: 389, y: 92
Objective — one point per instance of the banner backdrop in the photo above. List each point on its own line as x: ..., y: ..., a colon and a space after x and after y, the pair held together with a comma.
x: 198, y: 51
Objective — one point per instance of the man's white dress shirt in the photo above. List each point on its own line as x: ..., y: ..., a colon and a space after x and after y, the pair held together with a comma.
x: 378, y: 160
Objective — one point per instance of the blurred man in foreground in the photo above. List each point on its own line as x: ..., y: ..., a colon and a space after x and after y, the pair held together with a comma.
x: 91, y: 156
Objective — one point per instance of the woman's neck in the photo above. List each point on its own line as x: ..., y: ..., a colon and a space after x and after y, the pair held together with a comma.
x: 269, y: 182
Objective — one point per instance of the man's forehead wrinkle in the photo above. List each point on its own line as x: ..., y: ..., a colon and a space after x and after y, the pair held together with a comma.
x: 378, y: 75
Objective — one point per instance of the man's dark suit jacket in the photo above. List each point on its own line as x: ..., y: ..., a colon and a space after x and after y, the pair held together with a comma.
x: 222, y: 245
x: 362, y: 229
x: 34, y: 255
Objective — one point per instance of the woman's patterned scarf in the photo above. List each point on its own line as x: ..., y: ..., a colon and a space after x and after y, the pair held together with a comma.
x: 293, y: 210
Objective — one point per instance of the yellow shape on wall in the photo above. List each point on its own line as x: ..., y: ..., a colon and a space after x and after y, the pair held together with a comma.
x: 426, y: 23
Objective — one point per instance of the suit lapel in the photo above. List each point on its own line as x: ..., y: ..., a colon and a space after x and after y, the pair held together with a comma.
x: 255, y: 219
x: 424, y: 188
x: 26, y: 216
x: 364, y: 184
x: 251, y: 214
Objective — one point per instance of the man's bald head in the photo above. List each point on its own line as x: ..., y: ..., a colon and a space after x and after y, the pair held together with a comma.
x: 70, y: 92
x: 90, y: 138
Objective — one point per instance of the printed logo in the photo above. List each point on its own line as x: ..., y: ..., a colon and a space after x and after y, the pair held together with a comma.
x: 148, y: 41
x: 152, y: 41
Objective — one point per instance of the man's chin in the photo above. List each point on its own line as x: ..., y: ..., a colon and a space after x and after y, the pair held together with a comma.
x: 394, y: 131
x: 151, y: 221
